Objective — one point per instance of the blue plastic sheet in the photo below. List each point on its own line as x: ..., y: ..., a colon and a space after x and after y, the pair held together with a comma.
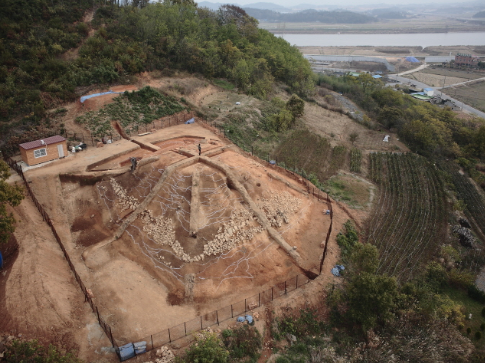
x: 336, y: 270
x: 191, y: 121
x: 1, y: 261
x: 140, y: 347
x: 240, y: 319
x: 249, y: 318
x: 126, y: 351
x: 412, y: 59
x: 84, y: 98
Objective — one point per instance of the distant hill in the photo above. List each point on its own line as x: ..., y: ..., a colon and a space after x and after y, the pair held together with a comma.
x: 268, y: 6
x: 480, y: 14
x: 310, y: 15
x: 389, y: 13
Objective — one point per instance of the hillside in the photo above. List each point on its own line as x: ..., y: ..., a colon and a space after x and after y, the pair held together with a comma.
x: 346, y: 218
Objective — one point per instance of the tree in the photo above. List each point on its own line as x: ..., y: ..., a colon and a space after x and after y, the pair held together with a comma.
x: 353, y: 137
x: 11, y: 195
x: 296, y: 106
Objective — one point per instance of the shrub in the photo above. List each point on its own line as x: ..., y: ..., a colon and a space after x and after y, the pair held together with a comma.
x: 244, y: 341
x: 468, y: 331
x: 207, y: 348
x: 482, y: 326
x: 478, y: 335
x: 476, y: 294
x: 33, y: 352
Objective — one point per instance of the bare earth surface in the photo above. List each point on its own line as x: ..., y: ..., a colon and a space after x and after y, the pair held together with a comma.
x: 204, y: 239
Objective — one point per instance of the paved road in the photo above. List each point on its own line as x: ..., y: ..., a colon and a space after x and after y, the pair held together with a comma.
x: 443, y: 96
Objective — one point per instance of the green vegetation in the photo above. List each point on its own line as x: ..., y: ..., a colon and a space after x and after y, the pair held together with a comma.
x: 427, y: 129
x: 11, y: 195
x: 33, y: 352
x: 243, y: 341
x: 36, y: 76
x: 208, y: 347
x: 355, y: 160
x: 131, y: 109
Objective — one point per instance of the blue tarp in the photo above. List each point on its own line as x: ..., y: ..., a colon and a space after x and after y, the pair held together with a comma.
x: 140, y: 347
x: 240, y: 319
x: 336, y: 270
x: 1, y: 260
x: 249, y: 318
x: 412, y: 60
x: 376, y: 76
x: 126, y: 351
x: 84, y: 98
x: 191, y: 121
x: 272, y: 162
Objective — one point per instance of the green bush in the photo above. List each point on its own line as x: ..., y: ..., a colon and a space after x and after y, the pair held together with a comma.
x: 482, y: 326
x: 33, y: 352
x: 244, y: 341
x: 468, y: 331
x: 478, y: 335
x: 208, y: 348
x: 476, y: 294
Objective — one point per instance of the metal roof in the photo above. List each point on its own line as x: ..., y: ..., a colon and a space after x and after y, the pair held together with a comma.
x: 38, y: 143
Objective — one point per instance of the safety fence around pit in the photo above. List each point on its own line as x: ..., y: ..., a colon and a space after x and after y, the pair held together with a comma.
x: 87, y: 296
x: 232, y: 311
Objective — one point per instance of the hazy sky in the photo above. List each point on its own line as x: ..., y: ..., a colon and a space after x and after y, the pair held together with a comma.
x: 343, y: 3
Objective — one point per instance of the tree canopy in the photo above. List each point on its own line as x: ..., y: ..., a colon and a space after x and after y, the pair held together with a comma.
x: 11, y: 195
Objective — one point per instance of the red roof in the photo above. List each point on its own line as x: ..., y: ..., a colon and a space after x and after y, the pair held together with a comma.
x: 38, y: 143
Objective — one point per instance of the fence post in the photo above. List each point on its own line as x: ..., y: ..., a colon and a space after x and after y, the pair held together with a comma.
x: 285, y: 287
x: 185, y: 328
x: 245, y: 306
x: 217, y: 316
x: 232, y: 312
x: 151, y: 337
x: 201, y: 323
x: 271, y: 293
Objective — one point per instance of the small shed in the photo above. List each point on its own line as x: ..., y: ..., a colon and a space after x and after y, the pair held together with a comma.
x: 40, y: 151
x: 429, y: 91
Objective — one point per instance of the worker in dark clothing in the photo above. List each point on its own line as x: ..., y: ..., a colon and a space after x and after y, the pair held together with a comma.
x: 200, y: 149
x: 134, y: 163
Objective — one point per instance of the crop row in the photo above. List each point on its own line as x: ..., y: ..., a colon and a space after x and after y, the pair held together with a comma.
x: 409, y: 220
x: 355, y: 160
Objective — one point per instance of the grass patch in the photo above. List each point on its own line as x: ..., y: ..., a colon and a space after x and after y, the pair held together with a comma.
x: 471, y: 307
x: 224, y: 84
x: 243, y: 341
x: 303, y: 150
x: 131, y: 109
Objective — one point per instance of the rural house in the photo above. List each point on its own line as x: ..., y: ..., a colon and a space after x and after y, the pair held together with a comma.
x: 466, y: 60
x: 40, y: 151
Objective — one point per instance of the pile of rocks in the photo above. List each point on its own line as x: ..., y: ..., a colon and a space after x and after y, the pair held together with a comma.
x: 125, y: 200
x: 164, y: 355
x: 240, y: 228
x: 159, y: 228
x: 279, y: 207
x: 465, y: 236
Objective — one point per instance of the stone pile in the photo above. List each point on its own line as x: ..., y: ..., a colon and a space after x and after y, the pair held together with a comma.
x: 125, y: 200
x: 465, y: 236
x: 164, y: 355
x: 279, y: 207
x: 240, y: 228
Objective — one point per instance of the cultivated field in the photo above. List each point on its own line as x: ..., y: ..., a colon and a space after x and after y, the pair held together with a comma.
x: 435, y: 80
x: 471, y: 94
x: 409, y: 221
x: 455, y: 73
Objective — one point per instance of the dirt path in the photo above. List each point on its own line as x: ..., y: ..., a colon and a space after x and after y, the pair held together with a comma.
x: 42, y: 299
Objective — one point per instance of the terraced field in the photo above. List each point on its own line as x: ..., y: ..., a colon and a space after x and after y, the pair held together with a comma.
x: 410, y: 220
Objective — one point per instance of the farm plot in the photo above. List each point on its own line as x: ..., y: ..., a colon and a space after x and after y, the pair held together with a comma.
x: 409, y: 220
x: 474, y: 202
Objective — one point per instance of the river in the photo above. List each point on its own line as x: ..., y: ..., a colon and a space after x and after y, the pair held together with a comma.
x: 384, y: 40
